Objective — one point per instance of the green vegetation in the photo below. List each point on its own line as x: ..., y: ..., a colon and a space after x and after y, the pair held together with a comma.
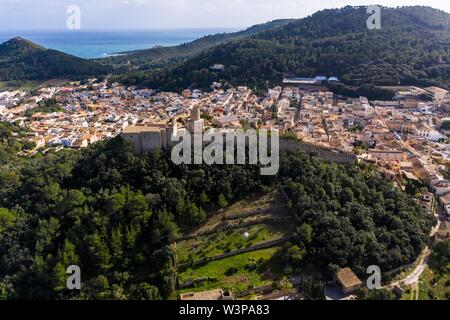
x: 440, y: 257
x: 44, y: 106
x: 290, y: 136
x: 411, y: 293
x: 21, y: 59
x: 434, y: 286
x: 378, y: 295
x: 445, y: 125
x: 409, y: 49
x: 217, y: 242
x: 12, y: 140
x: 237, y: 273
x: 359, y: 218
x: 435, y: 282
x: 224, y: 242
x: 116, y: 215
x: 19, y: 85
x: 110, y: 212
x: 366, y: 90
x: 163, y: 56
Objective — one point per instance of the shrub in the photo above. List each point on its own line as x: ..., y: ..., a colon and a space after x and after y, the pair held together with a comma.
x: 231, y: 271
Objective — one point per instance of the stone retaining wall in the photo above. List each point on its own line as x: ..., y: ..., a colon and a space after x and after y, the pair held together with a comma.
x: 260, y: 246
x: 335, y: 155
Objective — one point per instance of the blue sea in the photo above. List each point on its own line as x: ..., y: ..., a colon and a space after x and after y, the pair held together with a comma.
x: 98, y: 44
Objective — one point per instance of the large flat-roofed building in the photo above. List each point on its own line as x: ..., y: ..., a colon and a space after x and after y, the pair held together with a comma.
x: 146, y: 139
x: 438, y: 95
x: 159, y: 135
x: 309, y: 81
x: 217, y: 67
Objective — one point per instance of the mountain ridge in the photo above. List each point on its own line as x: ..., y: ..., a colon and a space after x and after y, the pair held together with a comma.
x: 21, y: 59
x: 161, y: 56
x: 412, y: 47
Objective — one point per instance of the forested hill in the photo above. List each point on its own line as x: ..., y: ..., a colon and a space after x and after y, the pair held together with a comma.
x: 161, y: 56
x: 116, y: 215
x: 412, y: 47
x: 21, y: 59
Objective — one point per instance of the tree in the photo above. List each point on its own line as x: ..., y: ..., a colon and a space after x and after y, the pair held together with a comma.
x: 144, y: 291
x: 165, y: 227
x: 117, y: 245
x: 440, y: 256
x: 445, y: 125
x: 7, y: 219
x: 99, y: 254
x: 304, y: 234
x: 381, y: 294
x: 295, y: 255
x: 192, y: 216
x: 286, y: 286
x: 89, y: 207
x: 223, y: 202
x: 204, y: 199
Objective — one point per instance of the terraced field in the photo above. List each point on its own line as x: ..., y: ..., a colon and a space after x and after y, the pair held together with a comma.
x: 433, y: 286
x: 236, y: 273
x: 227, y: 241
x: 244, y: 225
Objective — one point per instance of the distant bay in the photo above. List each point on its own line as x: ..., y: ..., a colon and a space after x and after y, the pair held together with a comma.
x: 98, y: 44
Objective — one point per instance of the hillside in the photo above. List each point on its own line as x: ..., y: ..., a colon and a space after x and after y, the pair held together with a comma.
x: 412, y: 47
x: 21, y: 59
x: 161, y: 56
x: 117, y: 215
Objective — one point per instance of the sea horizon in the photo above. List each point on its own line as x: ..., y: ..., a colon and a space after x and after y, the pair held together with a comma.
x: 91, y: 44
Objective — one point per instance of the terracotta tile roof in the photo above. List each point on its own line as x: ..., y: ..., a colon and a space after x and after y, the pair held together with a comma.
x: 347, y: 278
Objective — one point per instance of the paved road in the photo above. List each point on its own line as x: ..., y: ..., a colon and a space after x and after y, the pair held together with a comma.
x: 413, y: 277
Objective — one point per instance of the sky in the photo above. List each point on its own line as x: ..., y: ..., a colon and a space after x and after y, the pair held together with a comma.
x: 168, y: 14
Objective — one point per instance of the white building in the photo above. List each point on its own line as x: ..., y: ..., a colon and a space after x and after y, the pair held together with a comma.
x: 438, y: 95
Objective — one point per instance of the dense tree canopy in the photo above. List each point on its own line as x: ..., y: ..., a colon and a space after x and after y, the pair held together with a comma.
x: 351, y: 217
x: 23, y: 60
x: 162, y: 56
x: 440, y: 257
x: 412, y: 47
x: 116, y: 215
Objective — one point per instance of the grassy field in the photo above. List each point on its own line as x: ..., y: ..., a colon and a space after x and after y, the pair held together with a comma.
x: 434, y: 286
x: 410, y: 293
x: 222, y: 242
x: 237, y: 273
x: 242, y: 271
x: 20, y: 85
